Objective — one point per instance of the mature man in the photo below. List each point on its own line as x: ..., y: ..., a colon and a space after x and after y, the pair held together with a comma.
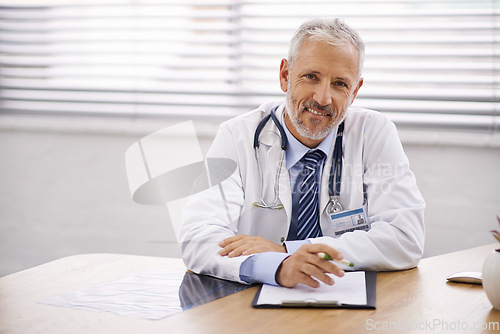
x: 268, y: 221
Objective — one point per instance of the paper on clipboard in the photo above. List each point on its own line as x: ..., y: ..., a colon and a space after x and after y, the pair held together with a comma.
x: 349, y: 289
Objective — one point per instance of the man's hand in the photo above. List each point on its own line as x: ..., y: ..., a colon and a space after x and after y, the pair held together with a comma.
x: 245, y: 245
x: 305, y: 264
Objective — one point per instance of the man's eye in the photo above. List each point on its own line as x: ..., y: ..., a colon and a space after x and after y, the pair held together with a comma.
x: 340, y: 84
x: 310, y: 76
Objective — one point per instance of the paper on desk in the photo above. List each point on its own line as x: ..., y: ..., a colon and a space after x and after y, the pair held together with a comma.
x: 349, y: 289
x: 151, y: 295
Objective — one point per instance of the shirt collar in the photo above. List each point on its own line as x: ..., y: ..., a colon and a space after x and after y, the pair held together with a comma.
x: 296, y: 149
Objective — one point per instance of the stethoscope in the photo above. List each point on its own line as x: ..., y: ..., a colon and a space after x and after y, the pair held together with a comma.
x: 334, y: 182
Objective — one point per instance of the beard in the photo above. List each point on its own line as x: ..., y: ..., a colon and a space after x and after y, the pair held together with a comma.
x: 316, y: 133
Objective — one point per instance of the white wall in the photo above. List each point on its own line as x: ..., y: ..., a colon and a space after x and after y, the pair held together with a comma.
x: 64, y: 190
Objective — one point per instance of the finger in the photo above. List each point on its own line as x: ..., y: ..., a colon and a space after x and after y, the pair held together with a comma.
x: 322, y: 248
x: 230, y: 240
x: 251, y: 250
x: 325, y: 265
x: 231, y: 247
x: 254, y: 250
x: 307, y: 280
x: 290, y: 277
x: 314, y: 271
x: 308, y: 255
x: 249, y: 246
x: 238, y: 251
x: 330, y: 268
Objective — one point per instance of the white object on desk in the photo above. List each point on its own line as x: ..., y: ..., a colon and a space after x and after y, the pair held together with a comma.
x: 149, y: 295
x: 470, y: 277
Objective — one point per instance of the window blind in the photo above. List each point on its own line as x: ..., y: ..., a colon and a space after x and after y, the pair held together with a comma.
x: 428, y: 63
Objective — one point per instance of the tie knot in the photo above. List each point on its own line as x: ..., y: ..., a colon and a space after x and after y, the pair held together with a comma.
x: 313, y: 157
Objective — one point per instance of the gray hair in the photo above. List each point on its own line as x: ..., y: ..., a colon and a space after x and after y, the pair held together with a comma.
x: 331, y: 31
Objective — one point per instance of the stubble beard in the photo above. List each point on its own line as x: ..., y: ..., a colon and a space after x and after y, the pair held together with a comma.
x: 302, y: 129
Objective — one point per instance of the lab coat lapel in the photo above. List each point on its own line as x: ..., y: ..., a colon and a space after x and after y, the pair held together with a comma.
x: 272, y: 140
x: 324, y: 182
x: 325, y: 179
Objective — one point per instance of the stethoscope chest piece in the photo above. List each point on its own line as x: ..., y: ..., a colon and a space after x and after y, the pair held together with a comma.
x: 333, y: 205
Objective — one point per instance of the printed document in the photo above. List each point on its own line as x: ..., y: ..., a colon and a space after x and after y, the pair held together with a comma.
x: 349, y: 289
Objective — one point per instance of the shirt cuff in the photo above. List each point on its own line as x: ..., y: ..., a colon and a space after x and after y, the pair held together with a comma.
x: 262, y: 267
x: 293, y: 246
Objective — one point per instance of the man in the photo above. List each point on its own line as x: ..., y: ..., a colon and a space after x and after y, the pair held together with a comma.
x: 228, y: 232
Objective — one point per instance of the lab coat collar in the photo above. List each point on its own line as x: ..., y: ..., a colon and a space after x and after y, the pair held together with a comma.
x: 270, y: 134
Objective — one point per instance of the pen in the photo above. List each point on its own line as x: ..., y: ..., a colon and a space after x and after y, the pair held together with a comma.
x: 345, y: 262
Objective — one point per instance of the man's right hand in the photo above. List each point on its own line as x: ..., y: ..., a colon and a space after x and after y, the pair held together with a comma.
x: 304, y: 264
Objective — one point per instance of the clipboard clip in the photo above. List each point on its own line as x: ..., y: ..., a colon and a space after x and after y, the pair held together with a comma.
x: 310, y: 303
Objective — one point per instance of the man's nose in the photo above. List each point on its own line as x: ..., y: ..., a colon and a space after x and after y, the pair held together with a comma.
x: 323, y: 94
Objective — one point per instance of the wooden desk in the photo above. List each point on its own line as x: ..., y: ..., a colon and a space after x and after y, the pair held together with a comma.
x: 412, y: 301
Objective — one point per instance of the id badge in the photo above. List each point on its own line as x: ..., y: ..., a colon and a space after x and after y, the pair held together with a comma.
x: 350, y: 220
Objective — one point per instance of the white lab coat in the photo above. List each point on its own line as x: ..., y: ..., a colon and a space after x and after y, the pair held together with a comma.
x: 374, y: 163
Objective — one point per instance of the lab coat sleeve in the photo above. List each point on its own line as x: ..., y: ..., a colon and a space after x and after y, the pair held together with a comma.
x: 211, y: 216
x: 395, y: 206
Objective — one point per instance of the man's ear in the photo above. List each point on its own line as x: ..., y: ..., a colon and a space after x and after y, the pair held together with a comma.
x: 355, y: 93
x: 284, y: 72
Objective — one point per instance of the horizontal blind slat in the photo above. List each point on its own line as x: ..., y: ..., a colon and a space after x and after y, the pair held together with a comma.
x: 427, y: 61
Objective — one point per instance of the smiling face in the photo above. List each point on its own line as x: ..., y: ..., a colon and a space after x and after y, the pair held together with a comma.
x: 320, y: 86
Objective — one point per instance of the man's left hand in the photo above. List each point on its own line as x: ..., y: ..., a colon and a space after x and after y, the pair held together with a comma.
x: 242, y: 244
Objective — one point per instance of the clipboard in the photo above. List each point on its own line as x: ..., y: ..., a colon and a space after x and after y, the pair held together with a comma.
x: 370, y: 285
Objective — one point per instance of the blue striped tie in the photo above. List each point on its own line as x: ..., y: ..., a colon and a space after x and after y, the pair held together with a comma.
x: 308, y: 219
